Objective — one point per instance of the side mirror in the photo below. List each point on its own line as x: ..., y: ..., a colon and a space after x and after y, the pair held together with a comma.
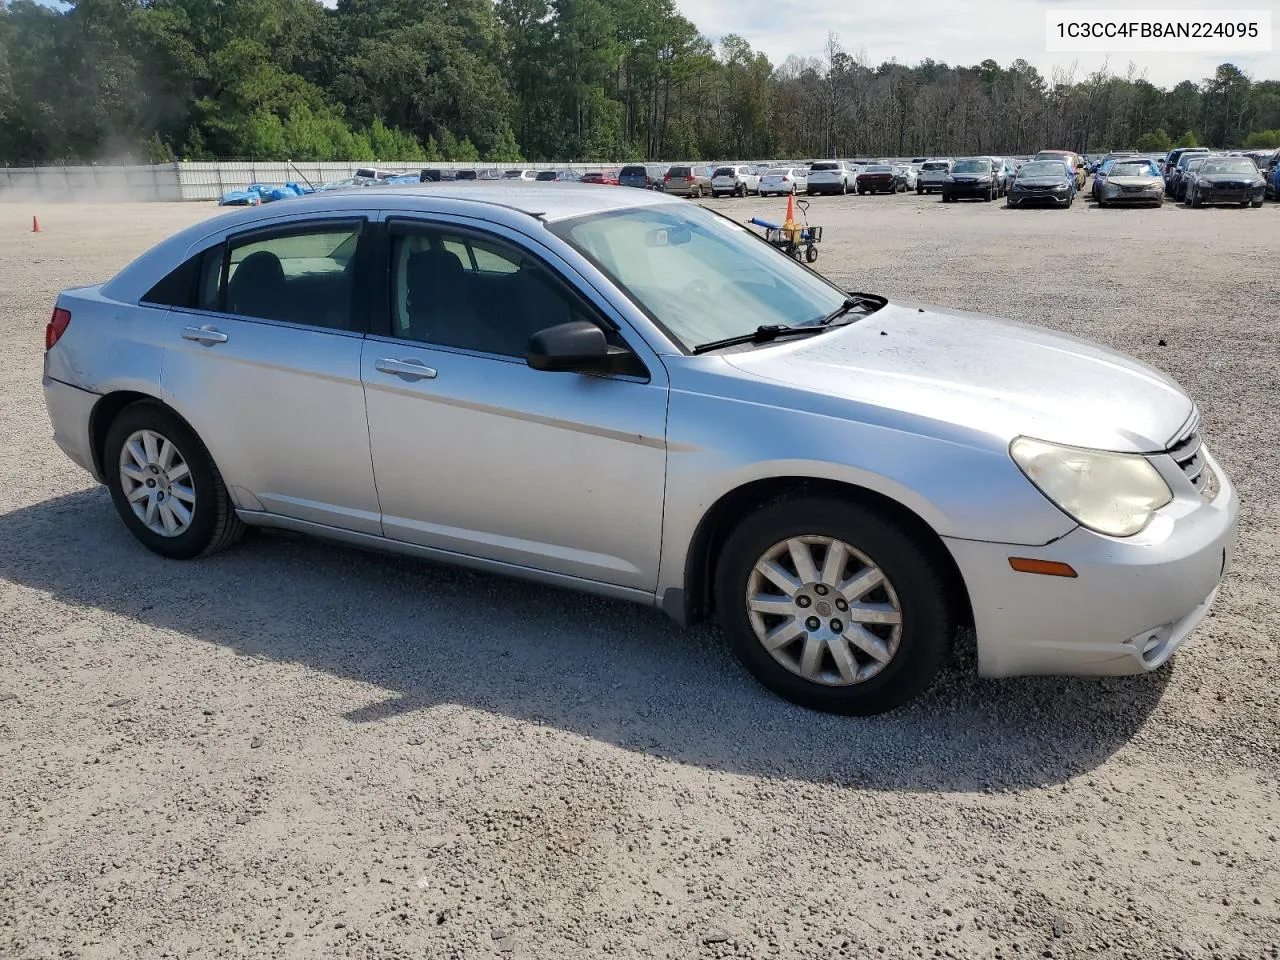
x: 579, y: 347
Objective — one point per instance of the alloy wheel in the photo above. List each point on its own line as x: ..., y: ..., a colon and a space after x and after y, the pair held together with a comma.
x: 824, y: 610
x: 156, y: 481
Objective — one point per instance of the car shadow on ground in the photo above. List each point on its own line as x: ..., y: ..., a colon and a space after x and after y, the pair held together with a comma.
x: 430, y: 634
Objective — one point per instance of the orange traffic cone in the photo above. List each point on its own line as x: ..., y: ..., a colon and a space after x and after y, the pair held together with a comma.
x: 789, y: 226
x: 35, y: 224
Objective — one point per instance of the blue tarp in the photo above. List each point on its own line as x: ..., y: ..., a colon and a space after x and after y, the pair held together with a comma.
x: 261, y: 193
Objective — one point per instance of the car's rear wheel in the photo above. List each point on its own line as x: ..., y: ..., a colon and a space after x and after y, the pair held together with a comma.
x: 165, y: 485
x: 834, y: 607
x: 1257, y: 204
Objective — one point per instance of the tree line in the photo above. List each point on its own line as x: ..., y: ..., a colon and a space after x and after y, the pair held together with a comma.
x: 542, y: 80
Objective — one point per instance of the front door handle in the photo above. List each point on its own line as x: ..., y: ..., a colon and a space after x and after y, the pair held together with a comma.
x: 208, y: 335
x: 409, y: 369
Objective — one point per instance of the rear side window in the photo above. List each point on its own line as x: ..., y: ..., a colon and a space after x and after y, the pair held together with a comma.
x: 305, y: 276
x: 177, y: 288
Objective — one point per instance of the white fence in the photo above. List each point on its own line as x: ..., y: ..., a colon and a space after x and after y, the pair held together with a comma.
x: 205, y: 180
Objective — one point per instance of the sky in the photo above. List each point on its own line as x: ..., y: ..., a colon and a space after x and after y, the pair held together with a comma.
x: 959, y: 32
x: 963, y: 32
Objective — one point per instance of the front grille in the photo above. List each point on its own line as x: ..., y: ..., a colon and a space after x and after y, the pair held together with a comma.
x: 1188, y: 453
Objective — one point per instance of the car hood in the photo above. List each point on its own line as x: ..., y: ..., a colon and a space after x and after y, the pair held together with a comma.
x: 1135, y: 181
x: 1040, y: 181
x: 903, y: 365
x: 1253, y: 178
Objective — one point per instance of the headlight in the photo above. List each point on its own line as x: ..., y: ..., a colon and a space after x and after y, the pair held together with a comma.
x: 1204, y: 183
x: 1062, y: 186
x: 1112, y: 493
x: 951, y: 180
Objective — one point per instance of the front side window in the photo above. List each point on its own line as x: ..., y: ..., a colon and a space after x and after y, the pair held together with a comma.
x: 304, y: 276
x: 459, y: 290
x: 698, y: 275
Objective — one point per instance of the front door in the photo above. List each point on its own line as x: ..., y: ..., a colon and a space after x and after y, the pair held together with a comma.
x: 477, y: 453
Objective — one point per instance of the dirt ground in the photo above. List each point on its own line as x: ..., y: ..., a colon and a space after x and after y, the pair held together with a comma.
x: 300, y: 751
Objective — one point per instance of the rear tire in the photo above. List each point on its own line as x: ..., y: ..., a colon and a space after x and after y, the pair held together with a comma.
x: 212, y: 523
x: 897, y: 662
x: 919, y: 190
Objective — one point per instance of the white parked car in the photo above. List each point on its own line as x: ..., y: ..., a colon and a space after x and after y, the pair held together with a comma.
x: 735, y: 181
x: 782, y: 180
x: 520, y: 175
x: 910, y: 174
x: 830, y: 176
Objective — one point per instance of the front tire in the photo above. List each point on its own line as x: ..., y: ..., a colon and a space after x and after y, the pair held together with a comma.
x: 165, y: 485
x: 834, y: 607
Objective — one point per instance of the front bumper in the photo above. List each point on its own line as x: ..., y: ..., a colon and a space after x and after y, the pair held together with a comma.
x: 1134, y: 602
x: 967, y: 189
x: 1230, y: 194
x: 70, y: 410
x: 1062, y: 197
x: 1115, y: 194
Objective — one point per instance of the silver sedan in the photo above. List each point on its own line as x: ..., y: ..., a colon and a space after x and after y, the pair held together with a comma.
x: 1132, y: 181
x: 615, y: 392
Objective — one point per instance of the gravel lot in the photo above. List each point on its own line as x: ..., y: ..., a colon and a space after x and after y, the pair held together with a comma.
x: 297, y: 750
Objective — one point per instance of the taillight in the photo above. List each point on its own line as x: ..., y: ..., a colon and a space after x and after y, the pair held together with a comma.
x: 56, y: 327
x: 666, y: 178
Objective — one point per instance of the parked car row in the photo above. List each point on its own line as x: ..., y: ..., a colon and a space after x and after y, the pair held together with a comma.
x: 1052, y: 177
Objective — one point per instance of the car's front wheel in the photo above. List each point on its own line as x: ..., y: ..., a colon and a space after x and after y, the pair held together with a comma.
x: 833, y: 606
x: 165, y: 485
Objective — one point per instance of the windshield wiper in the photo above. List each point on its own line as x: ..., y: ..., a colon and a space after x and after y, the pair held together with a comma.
x: 761, y: 334
x: 851, y: 302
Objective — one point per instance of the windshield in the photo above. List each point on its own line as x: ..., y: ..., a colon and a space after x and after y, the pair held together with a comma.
x: 1240, y: 166
x: 972, y: 166
x: 700, y: 276
x: 1043, y: 168
x: 1133, y: 168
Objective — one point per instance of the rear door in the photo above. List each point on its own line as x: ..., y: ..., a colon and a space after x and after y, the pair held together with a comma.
x: 477, y: 453
x: 265, y: 366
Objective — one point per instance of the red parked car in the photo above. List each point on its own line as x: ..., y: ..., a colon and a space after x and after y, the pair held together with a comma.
x: 877, y: 178
x: 607, y: 177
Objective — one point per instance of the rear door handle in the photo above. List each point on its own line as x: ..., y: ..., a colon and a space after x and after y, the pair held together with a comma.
x: 208, y: 335
x: 409, y: 369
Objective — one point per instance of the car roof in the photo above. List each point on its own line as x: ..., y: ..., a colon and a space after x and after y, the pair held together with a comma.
x: 541, y: 200
x: 499, y: 201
